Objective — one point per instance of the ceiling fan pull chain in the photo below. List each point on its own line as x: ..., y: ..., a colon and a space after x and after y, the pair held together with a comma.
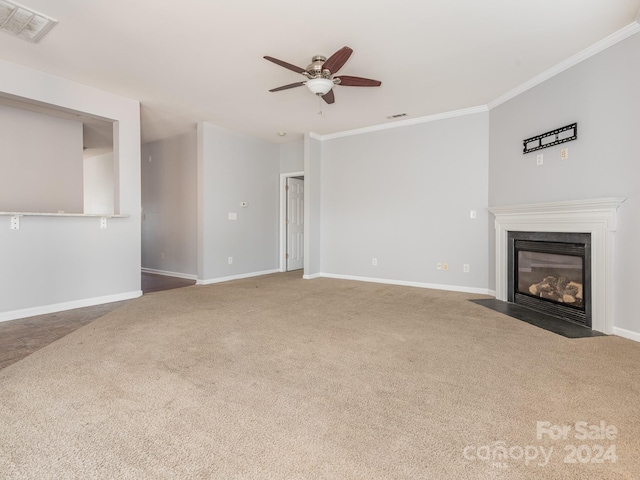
x: 320, y: 105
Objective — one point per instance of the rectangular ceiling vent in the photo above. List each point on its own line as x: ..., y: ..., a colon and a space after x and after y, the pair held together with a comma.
x: 397, y: 115
x: 23, y: 22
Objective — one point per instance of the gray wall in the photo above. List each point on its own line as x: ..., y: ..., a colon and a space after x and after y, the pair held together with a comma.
x: 57, y: 263
x: 312, y: 206
x: 404, y: 196
x: 169, y: 203
x: 602, y: 94
x: 292, y: 157
x: 99, y: 181
x: 234, y: 168
x: 41, y: 162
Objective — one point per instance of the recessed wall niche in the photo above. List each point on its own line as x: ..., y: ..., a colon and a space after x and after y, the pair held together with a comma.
x: 54, y: 160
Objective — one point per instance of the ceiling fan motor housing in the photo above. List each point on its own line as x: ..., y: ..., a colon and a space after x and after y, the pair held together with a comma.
x: 314, y: 69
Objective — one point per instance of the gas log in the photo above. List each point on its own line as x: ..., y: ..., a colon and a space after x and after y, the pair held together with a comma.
x: 558, y: 289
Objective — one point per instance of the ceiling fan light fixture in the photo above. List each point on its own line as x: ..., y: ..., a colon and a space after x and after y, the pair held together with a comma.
x: 319, y: 86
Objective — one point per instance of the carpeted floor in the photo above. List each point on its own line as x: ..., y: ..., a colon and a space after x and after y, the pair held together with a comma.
x: 278, y: 377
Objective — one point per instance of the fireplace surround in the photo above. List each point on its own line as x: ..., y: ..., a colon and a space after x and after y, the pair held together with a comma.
x: 596, y: 217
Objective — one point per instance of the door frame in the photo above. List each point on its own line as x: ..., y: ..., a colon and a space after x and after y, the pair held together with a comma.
x: 283, y: 217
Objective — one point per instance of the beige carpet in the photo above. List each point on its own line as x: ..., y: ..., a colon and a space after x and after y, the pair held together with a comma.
x: 283, y: 378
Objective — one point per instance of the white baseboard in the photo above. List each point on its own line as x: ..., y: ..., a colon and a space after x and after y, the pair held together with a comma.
x: 312, y: 276
x: 169, y: 274
x: 628, y: 334
x: 61, y: 307
x: 435, y: 286
x: 235, y: 277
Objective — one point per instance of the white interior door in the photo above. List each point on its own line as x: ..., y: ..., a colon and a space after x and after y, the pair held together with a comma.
x: 295, y: 224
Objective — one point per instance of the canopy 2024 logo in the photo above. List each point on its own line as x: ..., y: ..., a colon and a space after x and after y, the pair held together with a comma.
x: 587, y: 452
x: 592, y: 446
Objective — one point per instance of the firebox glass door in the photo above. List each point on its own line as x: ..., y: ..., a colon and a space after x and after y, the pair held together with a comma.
x: 553, y: 277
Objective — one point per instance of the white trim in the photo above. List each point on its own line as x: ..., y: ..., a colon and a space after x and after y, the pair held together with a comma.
x: 593, y: 205
x: 434, y: 286
x: 283, y: 217
x: 594, y: 216
x: 153, y: 271
x: 403, y: 123
x: 61, y: 307
x: 311, y: 277
x: 628, y: 334
x: 579, y: 57
x: 235, y: 277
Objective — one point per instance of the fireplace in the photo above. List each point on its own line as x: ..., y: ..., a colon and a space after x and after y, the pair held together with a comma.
x: 550, y: 272
x: 594, y: 217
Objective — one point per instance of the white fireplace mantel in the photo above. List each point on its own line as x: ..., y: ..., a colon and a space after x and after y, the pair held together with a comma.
x: 594, y: 216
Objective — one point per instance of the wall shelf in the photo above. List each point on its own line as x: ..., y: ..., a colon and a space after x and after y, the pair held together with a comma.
x: 15, y: 217
x: 42, y: 214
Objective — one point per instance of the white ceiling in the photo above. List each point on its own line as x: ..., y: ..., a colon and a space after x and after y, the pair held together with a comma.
x: 193, y: 60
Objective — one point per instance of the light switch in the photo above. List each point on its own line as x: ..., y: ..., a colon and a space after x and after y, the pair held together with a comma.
x: 233, y: 216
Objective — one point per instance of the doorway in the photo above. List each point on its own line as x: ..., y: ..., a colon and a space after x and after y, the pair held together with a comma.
x: 292, y: 221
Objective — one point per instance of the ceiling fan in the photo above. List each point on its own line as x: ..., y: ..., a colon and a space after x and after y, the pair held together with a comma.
x: 320, y: 75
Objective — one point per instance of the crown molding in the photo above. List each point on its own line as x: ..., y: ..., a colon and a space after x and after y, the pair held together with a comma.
x: 403, y: 123
x: 581, y: 56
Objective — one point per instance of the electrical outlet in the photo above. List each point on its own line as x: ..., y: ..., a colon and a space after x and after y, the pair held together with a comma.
x: 564, y: 154
x: 540, y: 159
x: 465, y: 268
x: 445, y: 266
x: 438, y: 266
x: 473, y: 214
x: 374, y: 262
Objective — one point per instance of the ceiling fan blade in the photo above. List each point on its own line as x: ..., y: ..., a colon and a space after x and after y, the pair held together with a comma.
x: 285, y: 64
x: 329, y: 97
x: 348, y: 81
x: 336, y: 61
x: 285, y: 87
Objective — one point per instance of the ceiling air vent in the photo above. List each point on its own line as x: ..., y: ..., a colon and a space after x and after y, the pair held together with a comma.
x: 397, y: 115
x: 23, y: 22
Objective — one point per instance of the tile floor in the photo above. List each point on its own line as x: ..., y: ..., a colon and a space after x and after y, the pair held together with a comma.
x: 19, y: 338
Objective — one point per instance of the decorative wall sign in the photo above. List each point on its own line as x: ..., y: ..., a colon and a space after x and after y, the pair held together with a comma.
x: 549, y: 139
